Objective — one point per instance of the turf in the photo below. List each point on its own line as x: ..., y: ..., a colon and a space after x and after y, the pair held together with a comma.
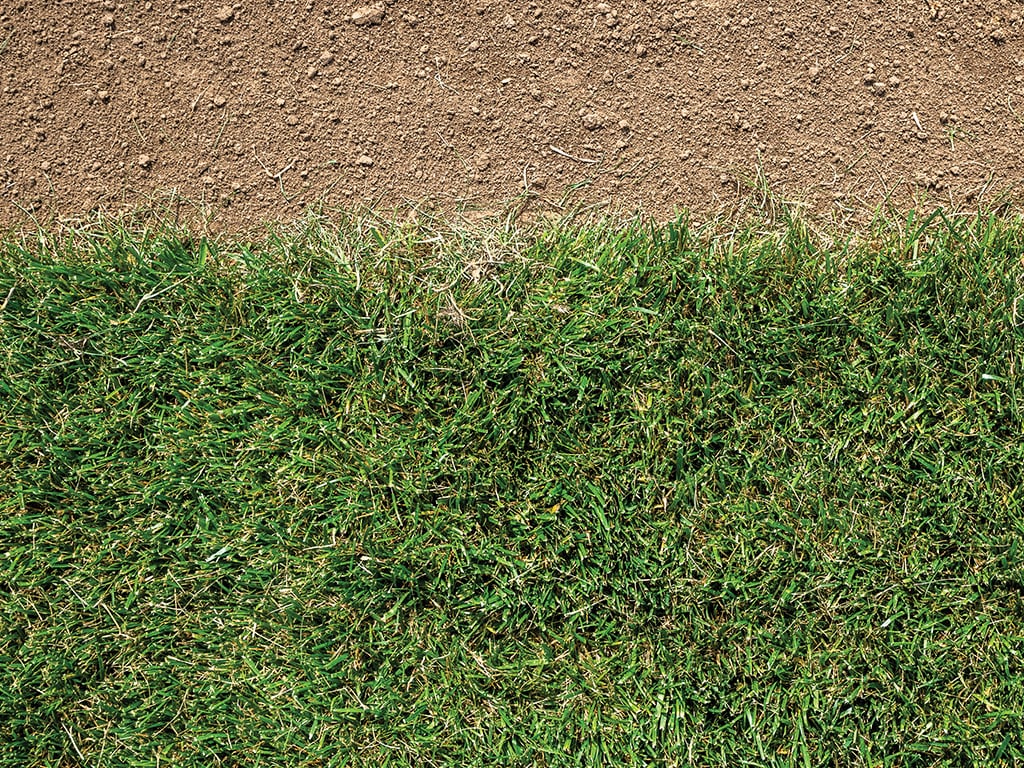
x: 606, y: 493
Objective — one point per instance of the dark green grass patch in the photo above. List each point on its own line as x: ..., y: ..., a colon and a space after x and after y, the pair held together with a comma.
x: 586, y: 495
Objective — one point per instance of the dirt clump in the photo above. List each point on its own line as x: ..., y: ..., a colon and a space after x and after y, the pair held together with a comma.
x: 248, y: 111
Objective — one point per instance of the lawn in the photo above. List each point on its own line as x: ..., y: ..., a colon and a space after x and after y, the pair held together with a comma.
x: 597, y: 492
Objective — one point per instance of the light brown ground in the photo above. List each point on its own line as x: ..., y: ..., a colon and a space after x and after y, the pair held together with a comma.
x: 252, y: 111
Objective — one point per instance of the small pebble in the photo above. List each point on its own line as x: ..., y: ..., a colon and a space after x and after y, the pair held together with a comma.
x: 368, y: 15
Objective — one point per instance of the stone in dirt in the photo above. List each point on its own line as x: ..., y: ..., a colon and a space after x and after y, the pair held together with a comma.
x: 368, y: 15
x: 225, y: 14
x: 592, y: 121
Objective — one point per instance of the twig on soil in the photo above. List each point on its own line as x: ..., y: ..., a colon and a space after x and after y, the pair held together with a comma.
x: 223, y: 124
x: 887, y: 199
x: 563, y: 153
x: 868, y: 133
x: 635, y: 166
x: 443, y: 84
x: 648, y: 172
x: 198, y: 98
x: 451, y: 146
x: 853, y: 165
x: 275, y: 176
x: 135, y: 125
x: 687, y: 43
x: 1009, y: 106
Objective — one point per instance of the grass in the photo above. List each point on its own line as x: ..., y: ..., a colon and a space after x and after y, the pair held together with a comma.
x: 583, y: 494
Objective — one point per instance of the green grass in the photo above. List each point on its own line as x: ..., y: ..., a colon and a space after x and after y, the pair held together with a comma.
x: 584, y: 494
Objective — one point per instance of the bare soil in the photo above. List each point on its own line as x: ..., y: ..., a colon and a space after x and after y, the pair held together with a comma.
x: 256, y: 110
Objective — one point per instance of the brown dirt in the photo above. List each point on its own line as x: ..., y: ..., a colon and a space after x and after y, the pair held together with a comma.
x: 255, y: 110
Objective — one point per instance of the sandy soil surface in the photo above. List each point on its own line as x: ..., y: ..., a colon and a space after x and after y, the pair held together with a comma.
x: 257, y: 110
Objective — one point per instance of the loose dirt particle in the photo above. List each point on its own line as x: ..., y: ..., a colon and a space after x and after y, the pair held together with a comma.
x: 364, y: 160
x: 368, y: 15
x: 145, y: 161
x: 225, y: 14
x: 593, y: 121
